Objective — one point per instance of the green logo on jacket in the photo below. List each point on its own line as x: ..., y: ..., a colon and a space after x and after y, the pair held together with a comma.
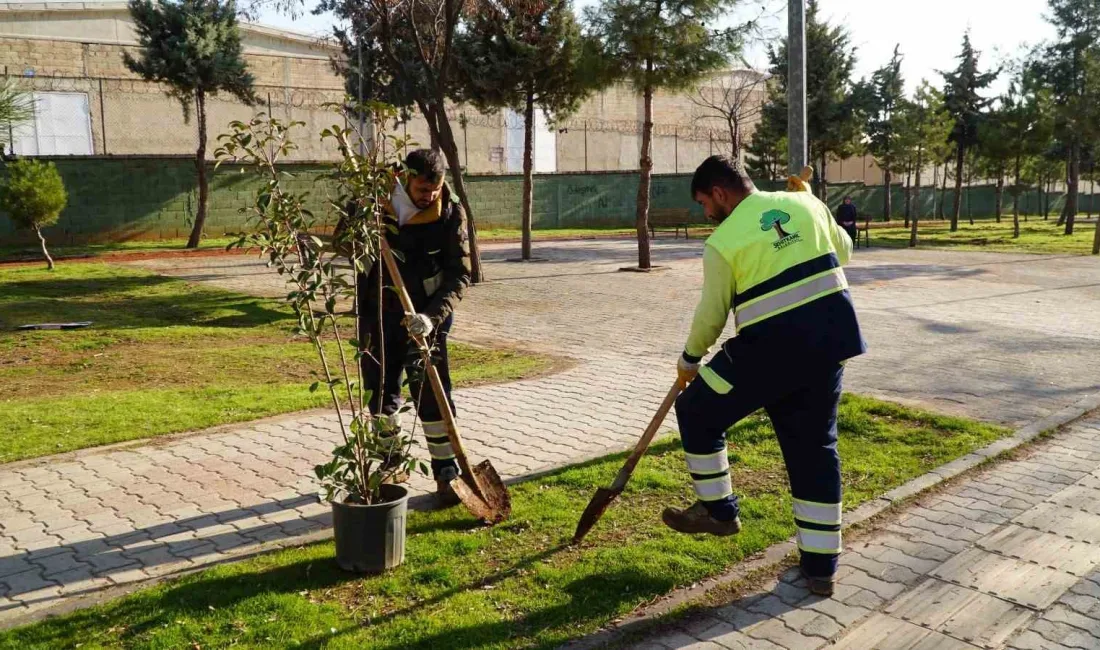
x: 774, y: 220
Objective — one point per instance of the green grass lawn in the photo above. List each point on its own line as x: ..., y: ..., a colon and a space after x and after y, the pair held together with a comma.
x: 1036, y: 236
x: 162, y: 356
x: 519, y: 584
x: 32, y: 252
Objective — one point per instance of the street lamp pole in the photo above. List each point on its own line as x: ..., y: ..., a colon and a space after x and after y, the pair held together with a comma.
x: 796, y: 85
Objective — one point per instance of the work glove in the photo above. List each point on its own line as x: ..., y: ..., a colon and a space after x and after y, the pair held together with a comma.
x: 419, y: 325
x: 686, y: 371
x: 801, y: 183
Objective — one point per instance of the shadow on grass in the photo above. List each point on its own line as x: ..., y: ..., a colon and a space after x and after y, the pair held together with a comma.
x: 590, y: 598
x: 119, y: 302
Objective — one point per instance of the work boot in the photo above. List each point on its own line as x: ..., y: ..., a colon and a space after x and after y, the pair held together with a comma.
x: 819, y: 586
x: 445, y: 496
x: 697, y: 519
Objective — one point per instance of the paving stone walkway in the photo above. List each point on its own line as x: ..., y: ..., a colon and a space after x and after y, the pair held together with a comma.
x: 1000, y: 337
x: 1009, y: 558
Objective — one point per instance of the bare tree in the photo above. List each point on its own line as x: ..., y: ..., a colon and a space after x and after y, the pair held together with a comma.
x: 736, y: 97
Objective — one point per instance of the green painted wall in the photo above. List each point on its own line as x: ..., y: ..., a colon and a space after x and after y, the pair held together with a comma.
x: 113, y: 199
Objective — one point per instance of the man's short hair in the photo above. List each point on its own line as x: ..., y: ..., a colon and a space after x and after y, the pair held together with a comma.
x: 426, y: 164
x: 720, y: 171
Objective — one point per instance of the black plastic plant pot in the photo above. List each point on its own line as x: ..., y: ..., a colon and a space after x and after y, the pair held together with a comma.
x: 371, y: 539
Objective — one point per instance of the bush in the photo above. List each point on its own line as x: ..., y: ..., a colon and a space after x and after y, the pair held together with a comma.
x: 33, y: 196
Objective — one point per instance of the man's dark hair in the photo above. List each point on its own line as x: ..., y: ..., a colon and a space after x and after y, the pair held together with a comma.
x: 720, y: 171
x: 426, y: 164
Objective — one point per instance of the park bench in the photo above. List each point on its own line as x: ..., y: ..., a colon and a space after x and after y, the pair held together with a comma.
x: 675, y: 218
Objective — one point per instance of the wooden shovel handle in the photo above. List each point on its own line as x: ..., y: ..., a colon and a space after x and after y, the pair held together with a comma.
x: 647, y: 438
x: 426, y: 354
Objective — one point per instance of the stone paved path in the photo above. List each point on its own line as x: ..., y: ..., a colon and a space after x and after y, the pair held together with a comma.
x: 1000, y: 337
x: 1007, y: 559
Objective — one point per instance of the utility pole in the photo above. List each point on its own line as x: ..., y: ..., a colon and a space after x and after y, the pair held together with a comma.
x: 796, y: 85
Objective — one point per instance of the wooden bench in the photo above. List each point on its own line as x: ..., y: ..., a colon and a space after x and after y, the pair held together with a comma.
x: 675, y: 218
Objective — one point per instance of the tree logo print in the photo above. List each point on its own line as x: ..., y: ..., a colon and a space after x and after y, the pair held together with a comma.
x: 774, y: 219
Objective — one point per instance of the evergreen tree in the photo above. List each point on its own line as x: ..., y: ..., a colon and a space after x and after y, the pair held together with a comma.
x: 660, y: 44
x: 194, y: 48
x: 884, y: 97
x: 965, y: 104
x: 525, y: 54
x: 833, y: 120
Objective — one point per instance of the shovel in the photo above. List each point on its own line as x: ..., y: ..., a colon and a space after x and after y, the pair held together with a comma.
x: 604, y: 496
x: 479, y: 488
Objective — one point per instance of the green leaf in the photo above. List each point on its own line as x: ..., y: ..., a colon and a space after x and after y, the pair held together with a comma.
x: 314, y: 386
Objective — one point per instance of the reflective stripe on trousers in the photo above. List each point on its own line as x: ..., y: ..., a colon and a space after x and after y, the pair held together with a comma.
x: 439, y: 445
x: 713, y: 489
x: 827, y: 514
x: 790, y: 297
x: 826, y: 542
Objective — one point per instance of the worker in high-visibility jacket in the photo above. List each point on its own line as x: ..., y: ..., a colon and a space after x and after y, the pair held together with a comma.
x: 775, y: 262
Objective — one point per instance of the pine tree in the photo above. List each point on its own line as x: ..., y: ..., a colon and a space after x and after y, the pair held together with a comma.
x: 885, y: 95
x: 1069, y: 67
x: 194, y: 48
x: 965, y: 104
x: 523, y: 54
x: 833, y: 121
x: 660, y: 44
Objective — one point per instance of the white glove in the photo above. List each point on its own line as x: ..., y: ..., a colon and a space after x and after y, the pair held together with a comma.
x: 686, y: 371
x: 419, y: 325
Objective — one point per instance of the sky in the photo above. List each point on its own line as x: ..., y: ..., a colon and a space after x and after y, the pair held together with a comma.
x: 929, y: 32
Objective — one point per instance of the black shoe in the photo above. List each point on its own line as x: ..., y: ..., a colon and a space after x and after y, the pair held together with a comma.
x: 445, y: 496
x: 820, y: 586
x: 697, y: 519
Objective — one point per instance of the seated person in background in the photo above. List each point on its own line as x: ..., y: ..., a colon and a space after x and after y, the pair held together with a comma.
x: 846, y: 216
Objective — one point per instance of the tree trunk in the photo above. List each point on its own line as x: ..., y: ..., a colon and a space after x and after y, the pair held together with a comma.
x: 908, y: 195
x: 1000, y: 194
x: 1096, y: 239
x: 735, y: 137
x: 916, y: 213
x: 528, y: 172
x: 943, y: 194
x: 446, y: 139
x: 1071, y: 190
x: 1092, y: 187
x: 646, y: 163
x: 433, y: 130
x: 935, y: 184
x: 887, y: 198
x: 824, y: 179
x: 200, y: 169
x: 1016, y: 203
x: 46, y: 253
x: 960, y: 155
x: 969, y: 184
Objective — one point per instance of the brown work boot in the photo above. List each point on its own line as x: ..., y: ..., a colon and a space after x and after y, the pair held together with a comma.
x: 819, y: 586
x: 697, y: 519
x: 445, y: 496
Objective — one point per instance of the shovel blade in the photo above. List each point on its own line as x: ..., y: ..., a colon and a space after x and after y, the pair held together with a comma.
x: 484, y: 493
x: 593, y: 511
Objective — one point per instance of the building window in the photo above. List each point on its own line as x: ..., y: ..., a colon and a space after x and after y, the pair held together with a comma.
x: 62, y: 126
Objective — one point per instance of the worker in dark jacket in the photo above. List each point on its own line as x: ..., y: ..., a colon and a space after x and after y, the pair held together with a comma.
x: 846, y: 216
x: 427, y: 230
